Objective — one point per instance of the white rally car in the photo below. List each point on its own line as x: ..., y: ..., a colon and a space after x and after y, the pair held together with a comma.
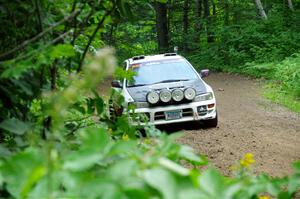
x: 166, y: 89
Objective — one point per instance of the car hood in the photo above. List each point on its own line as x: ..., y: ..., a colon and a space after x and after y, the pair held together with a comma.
x: 138, y: 94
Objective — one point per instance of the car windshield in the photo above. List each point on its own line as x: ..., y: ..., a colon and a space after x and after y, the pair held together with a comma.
x: 161, y: 71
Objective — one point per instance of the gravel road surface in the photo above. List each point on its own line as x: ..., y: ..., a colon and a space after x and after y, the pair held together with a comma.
x: 247, y: 123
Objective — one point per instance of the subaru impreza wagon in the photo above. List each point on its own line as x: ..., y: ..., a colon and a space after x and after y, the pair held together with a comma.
x: 166, y: 89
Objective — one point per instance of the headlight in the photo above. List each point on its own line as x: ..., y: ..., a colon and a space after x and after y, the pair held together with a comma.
x: 204, y: 97
x: 189, y: 93
x: 138, y: 104
x: 152, y: 97
x: 165, y: 96
x: 177, y: 95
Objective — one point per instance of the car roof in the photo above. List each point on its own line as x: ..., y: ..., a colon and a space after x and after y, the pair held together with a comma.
x: 150, y: 58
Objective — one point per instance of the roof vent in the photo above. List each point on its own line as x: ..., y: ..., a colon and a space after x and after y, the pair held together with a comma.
x: 170, y: 54
x: 138, y: 57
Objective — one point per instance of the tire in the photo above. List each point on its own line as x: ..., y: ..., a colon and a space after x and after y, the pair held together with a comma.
x: 212, y: 123
x: 112, y: 112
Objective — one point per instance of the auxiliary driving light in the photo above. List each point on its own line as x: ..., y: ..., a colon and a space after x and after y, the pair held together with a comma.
x: 152, y: 97
x: 189, y: 93
x: 165, y: 96
x: 177, y: 95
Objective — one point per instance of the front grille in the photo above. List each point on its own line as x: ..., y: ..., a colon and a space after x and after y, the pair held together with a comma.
x: 159, y: 115
x: 187, y: 112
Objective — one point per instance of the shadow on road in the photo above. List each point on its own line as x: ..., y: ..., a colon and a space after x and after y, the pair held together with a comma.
x: 172, y: 128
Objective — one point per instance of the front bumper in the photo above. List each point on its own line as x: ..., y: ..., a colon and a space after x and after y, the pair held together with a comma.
x: 192, y: 111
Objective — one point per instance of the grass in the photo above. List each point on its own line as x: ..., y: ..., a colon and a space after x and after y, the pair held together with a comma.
x: 287, y: 99
x: 273, y: 90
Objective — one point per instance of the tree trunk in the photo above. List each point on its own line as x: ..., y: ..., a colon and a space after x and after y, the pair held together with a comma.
x: 198, y: 11
x: 38, y: 13
x: 226, y: 12
x: 261, y: 10
x: 213, y: 7
x: 162, y: 27
x: 290, y: 4
x: 185, y: 25
x: 109, y: 36
x: 53, y: 75
x: 210, y: 38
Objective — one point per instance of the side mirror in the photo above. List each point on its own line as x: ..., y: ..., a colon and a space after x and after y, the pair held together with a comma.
x: 116, y: 84
x: 204, y: 73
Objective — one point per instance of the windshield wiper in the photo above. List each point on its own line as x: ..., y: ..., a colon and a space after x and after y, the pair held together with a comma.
x: 137, y: 85
x: 171, y: 80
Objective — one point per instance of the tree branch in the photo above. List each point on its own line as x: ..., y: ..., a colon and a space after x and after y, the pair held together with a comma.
x: 25, y: 43
x: 46, y: 46
x: 92, y: 37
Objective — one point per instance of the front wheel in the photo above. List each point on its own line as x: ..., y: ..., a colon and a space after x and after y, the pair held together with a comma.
x: 114, y: 110
x: 211, y: 123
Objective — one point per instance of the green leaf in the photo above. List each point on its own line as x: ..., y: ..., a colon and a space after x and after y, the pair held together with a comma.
x: 162, y: 1
x: 36, y: 174
x: 274, y: 185
x: 259, y: 185
x: 90, y: 105
x: 15, y: 126
x: 284, y: 195
x: 188, y: 153
x: 15, y: 70
x: 4, y: 151
x: 172, y: 166
x: 163, y: 181
x: 62, y: 50
x: 85, y: 185
x: 294, y: 183
x: 23, y: 170
x: 99, y: 104
x: 94, y: 141
x: 94, y: 138
x: 120, y: 147
x: 211, y: 182
x: 296, y: 167
x: 81, y: 160
x: 1, y: 177
x: 122, y: 170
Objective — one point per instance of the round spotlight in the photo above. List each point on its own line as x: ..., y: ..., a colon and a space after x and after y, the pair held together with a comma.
x: 152, y: 97
x: 165, y: 96
x: 189, y: 93
x: 177, y: 95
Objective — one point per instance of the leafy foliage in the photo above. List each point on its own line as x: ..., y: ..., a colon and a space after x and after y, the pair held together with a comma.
x: 56, y: 138
x: 97, y: 162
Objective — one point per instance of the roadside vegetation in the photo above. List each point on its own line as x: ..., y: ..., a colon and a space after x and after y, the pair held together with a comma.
x: 56, y: 138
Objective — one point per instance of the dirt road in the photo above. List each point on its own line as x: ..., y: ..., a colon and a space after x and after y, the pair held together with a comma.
x: 248, y: 123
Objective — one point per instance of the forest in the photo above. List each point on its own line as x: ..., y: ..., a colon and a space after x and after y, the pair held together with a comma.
x: 56, y: 137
